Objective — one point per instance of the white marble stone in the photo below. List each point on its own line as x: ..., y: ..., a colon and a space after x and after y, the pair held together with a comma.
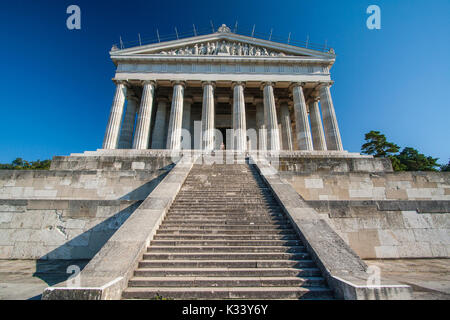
x: 303, y: 130
x: 176, y: 117
x: 141, y: 137
x: 270, y: 115
x: 115, y: 117
x: 208, y: 116
x: 331, y: 128
x: 239, y: 122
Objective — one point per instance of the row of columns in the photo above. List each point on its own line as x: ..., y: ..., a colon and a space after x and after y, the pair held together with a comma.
x: 309, y: 136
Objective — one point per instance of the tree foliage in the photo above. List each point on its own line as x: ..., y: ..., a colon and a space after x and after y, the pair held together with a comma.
x: 446, y: 167
x: 20, y: 164
x: 409, y: 159
x: 378, y: 146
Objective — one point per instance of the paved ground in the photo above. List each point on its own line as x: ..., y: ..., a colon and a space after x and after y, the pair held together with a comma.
x: 26, y: 279
x: 429, y: 278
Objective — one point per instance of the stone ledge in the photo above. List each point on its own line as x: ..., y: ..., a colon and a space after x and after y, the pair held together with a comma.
x: 107, y: 274
x: 344, y: 270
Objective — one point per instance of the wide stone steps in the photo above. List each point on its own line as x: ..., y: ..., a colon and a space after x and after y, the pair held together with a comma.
x: 187, y: 293
x: 227, y: 243
x: 230, y: 248
x: 226, y: 237
x: 306, y: 265
x: 227, y: 231
x: 226, y: 255
x: 221, y: 281
x: 188, y: 237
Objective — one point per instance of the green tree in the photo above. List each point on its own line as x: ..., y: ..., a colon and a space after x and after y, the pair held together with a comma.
x: 446, y: 167
x: 20, y: 164
x: 378, y: 146
x: 412, y: 160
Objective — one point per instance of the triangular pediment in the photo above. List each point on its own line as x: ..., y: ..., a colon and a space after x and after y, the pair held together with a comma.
x: 223, y: 44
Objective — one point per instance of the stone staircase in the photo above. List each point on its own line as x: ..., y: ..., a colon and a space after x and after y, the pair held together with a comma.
x: 226, y: 237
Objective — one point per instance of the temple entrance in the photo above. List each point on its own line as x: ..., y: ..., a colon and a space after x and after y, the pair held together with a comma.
x: 223, y: 138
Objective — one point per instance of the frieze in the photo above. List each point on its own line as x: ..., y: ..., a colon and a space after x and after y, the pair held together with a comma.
x: 223, y: 48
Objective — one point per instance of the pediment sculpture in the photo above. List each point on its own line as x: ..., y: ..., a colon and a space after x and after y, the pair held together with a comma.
x: 223, y: 48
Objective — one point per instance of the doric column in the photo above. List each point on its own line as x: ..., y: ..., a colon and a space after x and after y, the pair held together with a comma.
x: 302, y: 129
x: 208, y: 116
x: 286, y: 126
x: 316, y: 125
x: 159, y: 130
x: 330, y: 124
x: 115, y: 117
x: 126, y: 133
x: 142, y: 134
x: 176, y: 117
x: 186, y: 123
x: 260, y: 124
x: 239, y: 122
x: 270, y: 115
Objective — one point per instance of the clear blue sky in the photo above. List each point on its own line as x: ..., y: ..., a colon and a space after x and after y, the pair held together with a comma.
x: 56, y: 87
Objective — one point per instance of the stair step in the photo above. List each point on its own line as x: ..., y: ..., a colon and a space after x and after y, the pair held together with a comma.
x: 233, y: 243
x: 229, y: 293
x: 198, y: 281
x: 230, y: 249
x: 226, y: 237
x: 225, y: 231
x: 145, y: 271
x: 226, y: 256
x: 230, y: 264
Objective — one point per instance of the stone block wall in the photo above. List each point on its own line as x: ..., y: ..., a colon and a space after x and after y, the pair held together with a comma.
x: 59, y: 229
x: 70, y: 211
x: 391, y: 229
x: 82, y: 184
x: 382, y: 214
x: 371, y: 186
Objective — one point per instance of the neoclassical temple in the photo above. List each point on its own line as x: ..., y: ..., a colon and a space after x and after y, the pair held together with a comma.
x: 222, y: 91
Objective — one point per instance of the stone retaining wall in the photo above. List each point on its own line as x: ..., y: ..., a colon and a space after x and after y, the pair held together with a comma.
x: 82, y: 184
x: 390, y: 229
x: 371, y: 186
x: 59, y: 229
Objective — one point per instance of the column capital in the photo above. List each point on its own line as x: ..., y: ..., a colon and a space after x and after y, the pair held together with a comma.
x: 325, y: 84
x: 267, y: 83
x: 179, y: 82
x: 296, y: 84
x: 238, y: 83
x: 117, y: 82
x: 205, y: 83
x: 144, y: 82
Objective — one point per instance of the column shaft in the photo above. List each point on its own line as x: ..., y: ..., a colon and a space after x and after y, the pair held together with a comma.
x: 208, y: 117
x: 159, y: 130
x: 126, y: 133
x: 176, y: 117
x: 239, y: 122
x: 270, y: 115
x: 330, y: 124
x: 262, y: 134
x: 286, y: 127
x: 141, y: 136
x: 115, y: 118
x: 316, y: 126
x: 303, y: 131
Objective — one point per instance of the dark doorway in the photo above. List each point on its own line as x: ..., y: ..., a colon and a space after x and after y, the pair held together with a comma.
x: 224, y: 139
